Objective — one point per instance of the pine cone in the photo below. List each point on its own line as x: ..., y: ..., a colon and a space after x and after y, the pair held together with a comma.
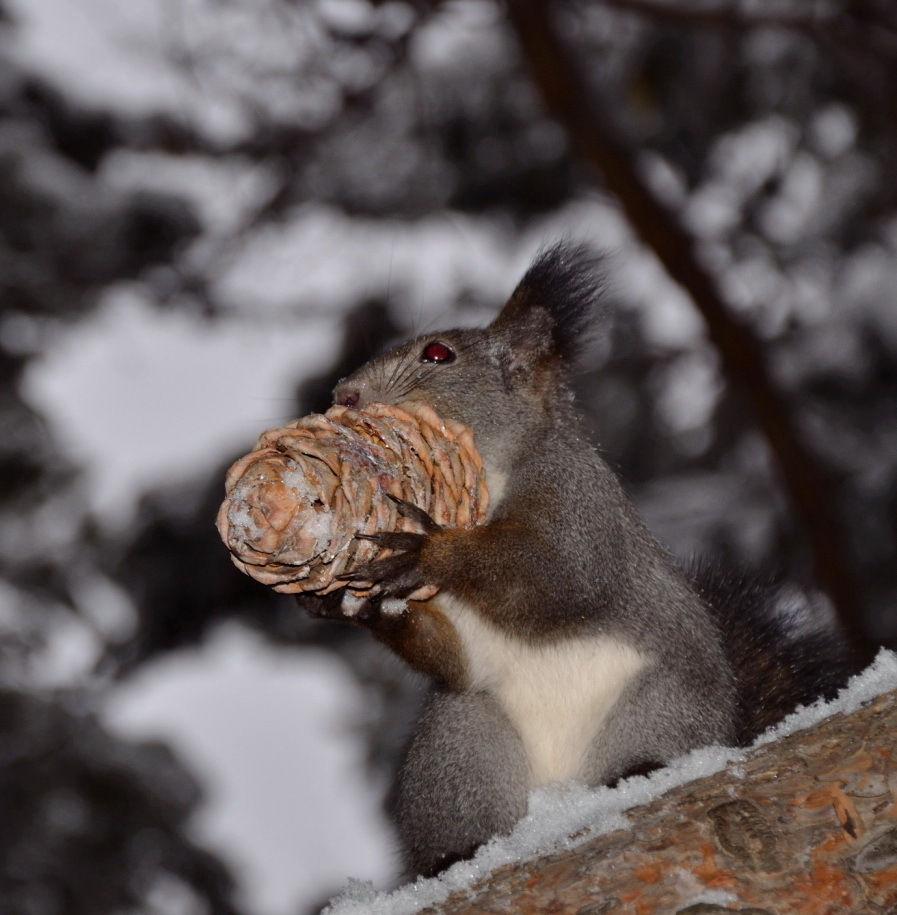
x: 296, y: 502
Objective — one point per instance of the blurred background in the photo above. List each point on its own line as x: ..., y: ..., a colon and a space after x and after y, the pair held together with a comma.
x: 210, y: 210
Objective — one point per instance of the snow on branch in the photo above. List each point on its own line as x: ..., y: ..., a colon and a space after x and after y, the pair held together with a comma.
x: 804, y: 818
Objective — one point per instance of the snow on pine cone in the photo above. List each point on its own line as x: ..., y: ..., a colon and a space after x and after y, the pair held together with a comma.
x: 295, y: 504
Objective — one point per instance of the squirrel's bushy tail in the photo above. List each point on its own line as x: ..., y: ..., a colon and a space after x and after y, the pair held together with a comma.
x: 784, y: 646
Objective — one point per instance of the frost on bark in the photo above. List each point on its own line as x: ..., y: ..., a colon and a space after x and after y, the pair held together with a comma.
x: 807, y: 824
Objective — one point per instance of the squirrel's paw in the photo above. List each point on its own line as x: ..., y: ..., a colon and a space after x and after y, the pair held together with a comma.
x: 337, y: 605
x: 401, y: 573
x: 395, y: 576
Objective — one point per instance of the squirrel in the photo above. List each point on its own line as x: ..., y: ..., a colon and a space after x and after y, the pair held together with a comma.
x: 564, y: 641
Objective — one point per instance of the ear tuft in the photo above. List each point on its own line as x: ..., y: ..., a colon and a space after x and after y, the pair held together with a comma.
x: 558, y: 297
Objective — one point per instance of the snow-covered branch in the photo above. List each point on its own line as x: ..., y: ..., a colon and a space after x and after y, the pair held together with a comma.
x: 805, y: 818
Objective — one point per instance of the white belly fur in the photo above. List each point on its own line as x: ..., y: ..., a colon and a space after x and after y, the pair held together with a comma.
x: 496, y: 481
x: 557, y: 696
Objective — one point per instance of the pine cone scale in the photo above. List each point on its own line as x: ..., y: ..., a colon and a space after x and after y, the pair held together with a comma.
x: 295, y: 505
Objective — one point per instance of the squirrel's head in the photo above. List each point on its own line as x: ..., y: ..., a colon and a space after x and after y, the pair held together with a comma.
x: 504, y: 378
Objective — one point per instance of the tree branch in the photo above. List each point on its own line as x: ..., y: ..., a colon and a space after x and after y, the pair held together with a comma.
x: 589, y: 125
x: 805, y: 824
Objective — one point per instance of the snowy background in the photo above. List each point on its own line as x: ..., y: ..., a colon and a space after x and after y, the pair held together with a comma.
x: 211, y: 210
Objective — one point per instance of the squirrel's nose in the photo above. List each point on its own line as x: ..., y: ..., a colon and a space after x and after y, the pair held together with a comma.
x: 347, y: 397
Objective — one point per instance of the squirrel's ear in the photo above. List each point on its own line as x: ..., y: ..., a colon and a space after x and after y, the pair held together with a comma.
x: 555, y: 303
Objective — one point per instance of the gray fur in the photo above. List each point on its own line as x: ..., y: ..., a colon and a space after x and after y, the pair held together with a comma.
x: 465, y: 779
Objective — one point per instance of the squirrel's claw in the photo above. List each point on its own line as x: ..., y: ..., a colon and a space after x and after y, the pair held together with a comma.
x: 415, y: 513
x: 394, y: 576
x: 393, y: 541
x: 341, y: 605
x: 332, y: 606
x: 399, y: 574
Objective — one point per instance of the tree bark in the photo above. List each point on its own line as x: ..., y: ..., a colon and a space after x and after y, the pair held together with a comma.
x: 806, y: 824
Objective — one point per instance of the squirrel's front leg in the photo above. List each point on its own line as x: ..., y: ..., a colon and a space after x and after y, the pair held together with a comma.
x: 498, y: 568
x: 417, y: 632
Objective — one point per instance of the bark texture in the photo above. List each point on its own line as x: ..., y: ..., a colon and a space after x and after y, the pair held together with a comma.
x: 807, y: 824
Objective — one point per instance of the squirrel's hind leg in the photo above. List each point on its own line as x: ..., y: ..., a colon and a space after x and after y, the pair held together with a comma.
x: 465, y: 779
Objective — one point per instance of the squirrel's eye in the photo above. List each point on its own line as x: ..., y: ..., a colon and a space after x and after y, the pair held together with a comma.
x: 437, y: 352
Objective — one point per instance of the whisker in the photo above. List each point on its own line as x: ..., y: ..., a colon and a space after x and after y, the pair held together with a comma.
x: 425, y: 329
x: 410, y: 382
x: 389, y: 382
x: 368, y: 346
x: 404, y: 393
x: 405, y: 366
x: 392, y: 252
x: 409, y: 370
